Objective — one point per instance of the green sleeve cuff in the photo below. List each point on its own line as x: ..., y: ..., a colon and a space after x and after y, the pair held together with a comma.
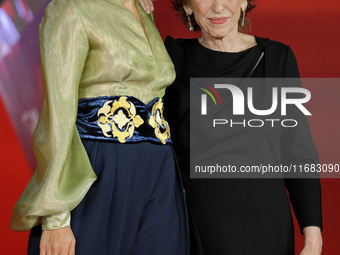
x: 56, y: 221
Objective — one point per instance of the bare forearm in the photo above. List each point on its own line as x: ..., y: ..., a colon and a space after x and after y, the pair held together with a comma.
x: 313, y: 241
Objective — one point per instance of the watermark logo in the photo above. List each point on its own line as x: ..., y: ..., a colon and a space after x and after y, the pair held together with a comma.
x: 259, y: 127
x: 239, y: 99
x: 204, y: 97
x: 251, y: 102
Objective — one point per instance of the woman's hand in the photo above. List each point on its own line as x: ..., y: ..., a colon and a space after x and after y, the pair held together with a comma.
x: 313, y: 241
x: 147, y: 5
x: 57, y: 242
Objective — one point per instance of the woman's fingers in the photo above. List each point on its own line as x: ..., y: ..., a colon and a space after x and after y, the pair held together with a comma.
x: 147, y: 5
x: 72, y: 249
x: 63, y: 250
x: 43, y: 246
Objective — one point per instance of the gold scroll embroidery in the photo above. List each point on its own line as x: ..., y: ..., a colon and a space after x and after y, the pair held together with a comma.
x: 120, y: 119
x: 156, y: 120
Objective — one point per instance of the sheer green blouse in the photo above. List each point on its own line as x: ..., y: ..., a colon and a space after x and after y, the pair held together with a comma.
x: 88, y: 49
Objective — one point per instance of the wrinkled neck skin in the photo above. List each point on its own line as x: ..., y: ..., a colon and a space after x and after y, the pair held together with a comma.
x: 232, y: 42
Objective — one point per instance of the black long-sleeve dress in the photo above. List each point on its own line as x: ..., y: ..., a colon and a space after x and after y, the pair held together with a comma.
x: 242, y: 216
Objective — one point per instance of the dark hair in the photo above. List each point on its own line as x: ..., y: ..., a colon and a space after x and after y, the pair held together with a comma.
x: 177, y: 5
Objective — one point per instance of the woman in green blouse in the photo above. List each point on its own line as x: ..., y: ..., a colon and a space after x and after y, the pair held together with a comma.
x: 105, y: 177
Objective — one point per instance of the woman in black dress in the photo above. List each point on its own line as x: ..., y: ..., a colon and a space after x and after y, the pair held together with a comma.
x: 240, y: 216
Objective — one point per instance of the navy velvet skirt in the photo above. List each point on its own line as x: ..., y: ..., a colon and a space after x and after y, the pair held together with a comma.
x: 136, y: 206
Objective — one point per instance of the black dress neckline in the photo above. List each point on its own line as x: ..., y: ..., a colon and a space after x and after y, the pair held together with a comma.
x: 220, y: 64
x: 227, y: 52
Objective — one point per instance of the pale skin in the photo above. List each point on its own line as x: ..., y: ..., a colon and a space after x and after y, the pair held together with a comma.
x: 62, y: 241
x: 57, y: 242
x: 226, y: 37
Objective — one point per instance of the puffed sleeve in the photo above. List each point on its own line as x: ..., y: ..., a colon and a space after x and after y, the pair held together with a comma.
x: 64, y: 173
x: 298, y: 149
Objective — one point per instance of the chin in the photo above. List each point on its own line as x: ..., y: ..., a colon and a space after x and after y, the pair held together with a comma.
x: 219, y: 33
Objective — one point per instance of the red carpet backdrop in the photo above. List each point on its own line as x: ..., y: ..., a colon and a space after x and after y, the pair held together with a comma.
x: 309, y: 27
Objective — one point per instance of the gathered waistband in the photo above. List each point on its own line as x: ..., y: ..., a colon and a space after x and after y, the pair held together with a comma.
x: 123, y: 119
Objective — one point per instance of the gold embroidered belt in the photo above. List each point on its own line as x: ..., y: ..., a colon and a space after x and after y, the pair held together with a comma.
x: 123, y: 119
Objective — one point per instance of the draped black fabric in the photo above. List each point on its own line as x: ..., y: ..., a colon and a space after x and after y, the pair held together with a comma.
x: 242, y: 216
